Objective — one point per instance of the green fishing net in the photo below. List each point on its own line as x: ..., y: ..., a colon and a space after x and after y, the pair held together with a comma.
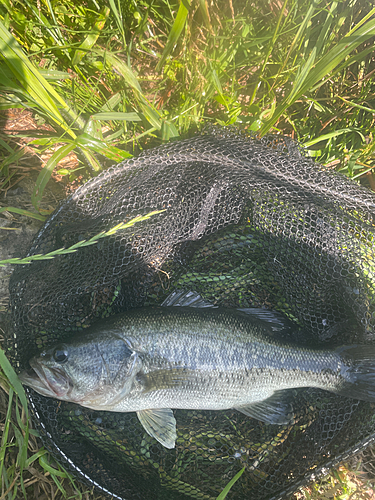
x: 245, y: 222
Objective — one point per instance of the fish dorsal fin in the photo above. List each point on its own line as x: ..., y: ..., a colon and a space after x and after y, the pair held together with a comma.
x: 159, y: 424
x: 276, y: 321
x: 273, y: 410
x: 183, y: 298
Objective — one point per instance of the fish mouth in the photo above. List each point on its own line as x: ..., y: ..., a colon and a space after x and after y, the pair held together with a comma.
x: 49, y: 382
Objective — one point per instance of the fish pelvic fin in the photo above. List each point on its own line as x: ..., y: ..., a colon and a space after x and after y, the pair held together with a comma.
x: 273, y: 410
x: 358, y: 372
x: 159, y: 424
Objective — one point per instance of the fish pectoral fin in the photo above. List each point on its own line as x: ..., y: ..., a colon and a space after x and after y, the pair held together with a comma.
x: 273, y: 410
x: 159, y: 424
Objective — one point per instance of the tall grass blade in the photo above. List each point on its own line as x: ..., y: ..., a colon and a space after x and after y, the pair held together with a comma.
x: 361, y: 56
x: 13, y: 380
x: 47, y: 467
x: 362, y: 21
x: 225, y: 491
x: 22, y: 443
x: 359, y: 106
x: 92, y: 37
x: 174, y: 34
x: 35, y: 88
x: 205, y: 14
x: 299, y: 35
x: 101, y: 147
x: 52, y: 29
x: 119, y: 21
x: 346, y: 45
x: 6, y: 146
x: 45, y: 175
x: 4, y: 438
x: 324, y: 67
x: 301, y: 76
x: 332, y: 135
x: 54, y: 74
x: 117, y: 115
x: 32, y: 81
x: 13, y: 158
x: 326, y: 30
x: 269, y: 51
x: 120, y: 67
x: 149, y: 112
x: 20, y: 211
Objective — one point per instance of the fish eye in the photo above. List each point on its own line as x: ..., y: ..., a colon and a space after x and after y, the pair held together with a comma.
x: 60, y: 354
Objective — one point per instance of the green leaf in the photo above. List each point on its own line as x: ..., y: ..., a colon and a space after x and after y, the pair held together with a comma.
x: 22, y: 212
x: 13, y: 158
x: 315, y: 75
x: 114, y: 115
x: 4, y: 437
x: 35, y: 456
x: 120, y: 67
x: 269, y: 51
x: 205, y: 13
x: 6, y: 146
x: 101, y: 147
x: 346, y: 45
x: 54, y: 472
x: 301, y: 76
x: 119, y: 20
x: 13, y: 379
x: 46, y: 173
x: 92, y: 37
x: 331, y: 135
x: 175, y: 32
x: 32, y: 81
x: 225, y: 491
x: 359, y: 106
x: 149, y: 112
x: 112, y: 103
x: 54, y: 74
x: 93, y: 129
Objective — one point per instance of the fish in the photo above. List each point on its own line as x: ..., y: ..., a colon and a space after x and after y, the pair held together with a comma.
x: 186, y: 354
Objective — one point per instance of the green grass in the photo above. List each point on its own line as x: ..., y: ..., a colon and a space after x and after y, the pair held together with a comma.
x: 343, y: 483
x: 79, y: 244
x: 111, y: 78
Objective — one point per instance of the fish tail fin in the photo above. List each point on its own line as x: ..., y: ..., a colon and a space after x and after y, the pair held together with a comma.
x: 359, y: 370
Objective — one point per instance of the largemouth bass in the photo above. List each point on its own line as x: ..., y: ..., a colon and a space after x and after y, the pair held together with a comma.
x: 150, y: 360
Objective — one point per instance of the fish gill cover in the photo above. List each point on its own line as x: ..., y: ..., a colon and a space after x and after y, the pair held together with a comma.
x: 246, y: 222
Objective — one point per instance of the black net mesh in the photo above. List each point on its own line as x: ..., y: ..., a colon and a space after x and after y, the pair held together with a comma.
x: 246, y: 222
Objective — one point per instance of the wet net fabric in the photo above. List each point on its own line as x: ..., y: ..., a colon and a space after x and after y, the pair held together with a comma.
x: 245, y: 222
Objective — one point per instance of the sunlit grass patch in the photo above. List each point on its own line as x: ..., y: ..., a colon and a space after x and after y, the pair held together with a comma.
x: 343, y: 483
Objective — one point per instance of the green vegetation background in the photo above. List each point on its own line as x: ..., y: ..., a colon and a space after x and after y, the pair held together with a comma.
x: 105, y: 79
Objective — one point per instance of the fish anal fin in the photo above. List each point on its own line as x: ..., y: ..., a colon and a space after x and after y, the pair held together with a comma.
x: 159, y: 424
x: 273, y: 410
